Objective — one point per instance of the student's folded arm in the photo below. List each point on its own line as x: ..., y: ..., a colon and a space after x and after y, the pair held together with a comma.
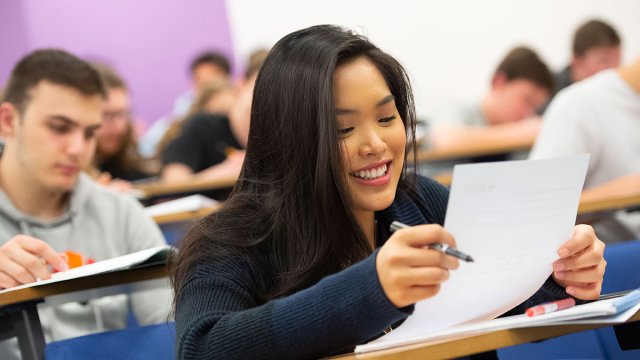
x: 619, y: 187
x: 176, y: 172
x: 217, y: 317
x: 230, y: 167
x: 445, y: 137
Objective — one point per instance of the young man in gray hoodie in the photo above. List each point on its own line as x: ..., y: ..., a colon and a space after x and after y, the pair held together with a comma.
x: 49, y: 114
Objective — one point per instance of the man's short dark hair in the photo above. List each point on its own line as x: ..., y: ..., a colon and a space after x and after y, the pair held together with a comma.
x: 594, y: 33
x: 53, y: 65
x: 213, y: 58
x: 524, y: 63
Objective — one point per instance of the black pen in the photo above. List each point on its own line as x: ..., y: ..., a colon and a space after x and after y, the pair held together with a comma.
x: 443, y: 248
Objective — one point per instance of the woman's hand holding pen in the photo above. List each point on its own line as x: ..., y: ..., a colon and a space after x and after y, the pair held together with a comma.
x: 408, y: 271
x: 581, y: 266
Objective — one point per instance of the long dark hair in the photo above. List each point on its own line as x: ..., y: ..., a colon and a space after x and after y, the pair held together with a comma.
x: 289, y: 214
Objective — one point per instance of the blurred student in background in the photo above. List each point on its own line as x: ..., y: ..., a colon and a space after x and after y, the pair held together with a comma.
x: 50, y: 114
x: 521, y: 83
x: 117, y: 160
x: 206, y: 68
x: 596, y: 47
x: 211, y: 145
x: 600, y: 116
x: 215, y: 98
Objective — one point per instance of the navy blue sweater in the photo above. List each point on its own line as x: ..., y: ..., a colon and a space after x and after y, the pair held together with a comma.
x: 217, y: 317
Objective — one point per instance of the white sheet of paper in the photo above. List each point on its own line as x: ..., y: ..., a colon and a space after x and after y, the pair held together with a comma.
x: 511, y: 217
x: 188, y: 203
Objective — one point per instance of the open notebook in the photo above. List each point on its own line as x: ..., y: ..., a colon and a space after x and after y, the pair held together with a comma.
x: 148, y: 257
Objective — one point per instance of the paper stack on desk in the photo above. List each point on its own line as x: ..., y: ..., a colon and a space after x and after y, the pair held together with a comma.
x: 610, y: 311
x: 511, y: 217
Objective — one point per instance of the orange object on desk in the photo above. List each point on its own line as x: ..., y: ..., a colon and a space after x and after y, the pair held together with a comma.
x: 75, y: 259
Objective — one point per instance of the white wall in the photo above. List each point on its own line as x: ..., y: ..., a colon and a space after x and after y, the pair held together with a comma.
x: 450, y: 47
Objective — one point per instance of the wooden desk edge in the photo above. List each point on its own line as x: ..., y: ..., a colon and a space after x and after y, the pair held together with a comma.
x: 585, y: 207
x: 184, y: 216
x: 161, y: 189
x: 444, y: 178
x: 477, y: 343
x: 613, y: 203
x: 467, y: 152
x: 84, y: 283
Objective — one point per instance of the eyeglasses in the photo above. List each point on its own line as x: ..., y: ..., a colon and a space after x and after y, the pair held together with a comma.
x: 114, y: 115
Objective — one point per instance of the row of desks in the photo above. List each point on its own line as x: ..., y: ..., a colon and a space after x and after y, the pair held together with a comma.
x: 158, y: 189
x: 19, y: 316
x: 618, y: 201
x: 621, y: 200
x: 114, y: 282
x: 632, y: 200
x: 470, y: 150
x: 25, y: 322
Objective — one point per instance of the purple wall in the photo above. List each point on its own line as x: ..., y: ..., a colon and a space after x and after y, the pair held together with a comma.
x: 149, y: 42
x: 13, y: 36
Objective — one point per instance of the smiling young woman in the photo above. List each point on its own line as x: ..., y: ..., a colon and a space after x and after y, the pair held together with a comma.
x: 300, y: 262
x: 372, y: 139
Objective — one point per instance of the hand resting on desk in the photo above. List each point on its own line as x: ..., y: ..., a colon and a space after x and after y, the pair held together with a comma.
x: 23, y: 259
x: 105, y: 179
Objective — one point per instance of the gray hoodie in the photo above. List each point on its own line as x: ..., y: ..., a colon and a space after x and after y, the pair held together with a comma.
x: 100, y: 224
